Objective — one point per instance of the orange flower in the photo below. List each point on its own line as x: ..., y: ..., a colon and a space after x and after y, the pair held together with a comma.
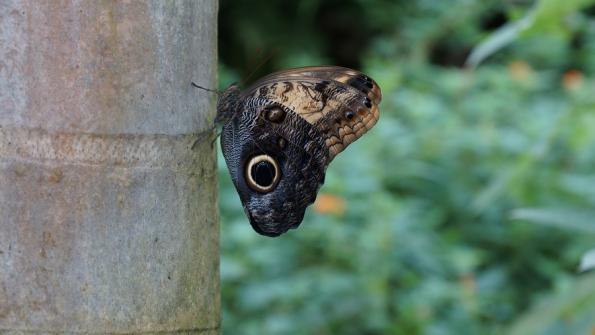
x: 329, y: 204
x: 572, y: 80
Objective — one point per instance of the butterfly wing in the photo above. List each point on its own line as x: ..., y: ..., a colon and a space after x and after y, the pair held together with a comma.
x: 288, y: 127
x: 276, y: 160
x: 341, y: 103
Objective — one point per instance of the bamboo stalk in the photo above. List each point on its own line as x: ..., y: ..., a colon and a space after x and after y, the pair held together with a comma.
x: 108, y: 214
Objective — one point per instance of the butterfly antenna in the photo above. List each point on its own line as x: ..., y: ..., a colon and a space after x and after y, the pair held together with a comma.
x: 204, y: 88
x: 264, y: 61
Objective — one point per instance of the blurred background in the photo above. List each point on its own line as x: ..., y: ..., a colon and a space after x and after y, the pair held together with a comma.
x: 468, y: 209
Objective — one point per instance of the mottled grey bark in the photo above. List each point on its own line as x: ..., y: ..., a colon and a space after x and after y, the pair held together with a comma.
x: 108, y: 213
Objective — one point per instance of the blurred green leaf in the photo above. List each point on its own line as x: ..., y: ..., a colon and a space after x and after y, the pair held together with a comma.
x: 550, y: 14
x: 500, y: 39
x: 588, y: 261
x: 574, y: 219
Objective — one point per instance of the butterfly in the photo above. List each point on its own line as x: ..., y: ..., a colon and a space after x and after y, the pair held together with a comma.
x: 280, y: 134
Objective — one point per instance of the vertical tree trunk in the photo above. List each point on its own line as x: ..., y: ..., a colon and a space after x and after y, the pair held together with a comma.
x: 108, y: 213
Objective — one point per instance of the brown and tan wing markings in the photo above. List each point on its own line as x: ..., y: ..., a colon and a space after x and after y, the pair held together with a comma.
x: 341, y: 74
x: 302, y: 95
x: 342, y: 105
x: 342, y: 131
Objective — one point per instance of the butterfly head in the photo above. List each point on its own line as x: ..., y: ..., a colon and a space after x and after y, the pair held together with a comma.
x: 227, y: 104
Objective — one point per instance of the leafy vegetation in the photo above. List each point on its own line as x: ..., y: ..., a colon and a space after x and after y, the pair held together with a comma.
x: 466, y: 210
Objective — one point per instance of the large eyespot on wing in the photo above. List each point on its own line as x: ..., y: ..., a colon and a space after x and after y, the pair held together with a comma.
x: 262, y: 173
x: 342, y: 105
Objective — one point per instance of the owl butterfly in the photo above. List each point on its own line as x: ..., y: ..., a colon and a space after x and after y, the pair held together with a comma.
x: 280, y: 134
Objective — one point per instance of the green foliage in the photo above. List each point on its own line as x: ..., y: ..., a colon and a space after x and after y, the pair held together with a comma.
x: 569, y: 310
x: 546, y: 16
x: 468, y: 206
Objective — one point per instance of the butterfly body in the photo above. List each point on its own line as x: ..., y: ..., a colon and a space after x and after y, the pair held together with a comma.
x: 280, y: 134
